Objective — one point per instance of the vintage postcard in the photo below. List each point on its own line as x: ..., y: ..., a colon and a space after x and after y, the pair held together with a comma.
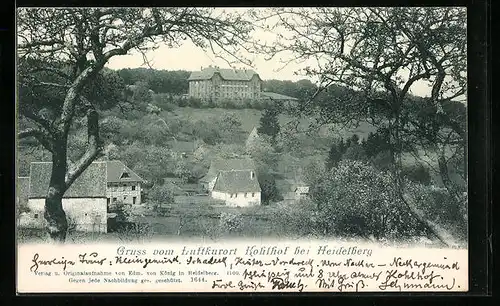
x: 242, y: 150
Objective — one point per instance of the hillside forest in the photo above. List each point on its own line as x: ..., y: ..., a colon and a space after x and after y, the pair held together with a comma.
x: 142, y: 129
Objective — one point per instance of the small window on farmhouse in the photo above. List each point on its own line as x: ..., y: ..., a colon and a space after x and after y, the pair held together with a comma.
x: 253, y: 194
x: 36, y: 216
x: 235, y: 195
x: 134, y: 200
x: 252, y: 174
x: 133, y: 188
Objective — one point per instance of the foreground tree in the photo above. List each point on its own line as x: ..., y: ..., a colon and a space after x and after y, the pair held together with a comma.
x: 269, y: 121
x: 379, y: 55
x: 65, y: 50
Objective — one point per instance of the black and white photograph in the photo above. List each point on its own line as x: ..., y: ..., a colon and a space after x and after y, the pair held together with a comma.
x: 146, y: 124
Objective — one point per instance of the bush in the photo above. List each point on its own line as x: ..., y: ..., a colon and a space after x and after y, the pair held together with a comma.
x: 230, y: 223
x: 211, y: 103
x: 208, y: 133
x: 164, y: 101
x: 161, y: 194
x: 417, y: 173
x: 194, y: 102
x: 181, y: 102
x: 334, y: 155
x: 247, y: 103
x: 256, y: 104
x: 355, y: 199
x: 354, y: 152
x: 294, y: 219
x: 382, y: 161
x: 269, y: 191
x: 441, y: 208
x: 228, y: 104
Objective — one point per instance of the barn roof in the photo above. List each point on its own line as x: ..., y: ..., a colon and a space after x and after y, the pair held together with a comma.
x: 118, y: 172
x: 236, y: 181
x: 90, y: 184
x: 302, y: 189
x: 226, y: 74
x: 228, y: 165
x: 267, y: 95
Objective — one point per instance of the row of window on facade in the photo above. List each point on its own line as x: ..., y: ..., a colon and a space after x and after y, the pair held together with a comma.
x: 134, y: 199
x: 122, y: 188
x: 235, y: 83
x: 235, y: 195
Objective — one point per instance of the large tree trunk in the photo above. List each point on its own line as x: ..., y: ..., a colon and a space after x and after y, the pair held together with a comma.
x: 57, y: 224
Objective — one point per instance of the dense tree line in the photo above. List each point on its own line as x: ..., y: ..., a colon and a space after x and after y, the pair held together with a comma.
x: 159, y: 81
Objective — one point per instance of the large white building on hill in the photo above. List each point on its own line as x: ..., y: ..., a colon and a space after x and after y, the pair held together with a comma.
x: 214, y: 83
x: 219, y: 83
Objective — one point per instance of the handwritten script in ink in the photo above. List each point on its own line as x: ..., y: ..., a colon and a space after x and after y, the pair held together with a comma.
x: 254, y: 269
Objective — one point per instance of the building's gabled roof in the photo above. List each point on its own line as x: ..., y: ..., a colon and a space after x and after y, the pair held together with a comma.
x: 254, y: 135
x: 236, y: 181
x: 302, y: 189
x: 90, y: 184
x: 117, y: 172
x: 266, y: 95
x: 226, y: 74
x: 228, y: 165
x: 23, y: 189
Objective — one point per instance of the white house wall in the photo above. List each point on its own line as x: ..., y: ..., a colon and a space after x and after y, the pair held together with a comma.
x: 89, y: 214
x: 124, y: 193
x: 211, y: 184
x: 239, y: 200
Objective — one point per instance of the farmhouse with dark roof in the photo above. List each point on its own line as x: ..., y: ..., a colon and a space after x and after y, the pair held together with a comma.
x: 84, y: 202
x: 233, y: 181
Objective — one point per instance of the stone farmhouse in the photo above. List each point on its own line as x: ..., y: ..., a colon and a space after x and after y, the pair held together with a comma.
x: 219, y: 83
x: 233, y: 181
x: 84, y: 202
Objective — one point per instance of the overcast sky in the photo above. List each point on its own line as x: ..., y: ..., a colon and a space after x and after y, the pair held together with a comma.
x: 191, y: 58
